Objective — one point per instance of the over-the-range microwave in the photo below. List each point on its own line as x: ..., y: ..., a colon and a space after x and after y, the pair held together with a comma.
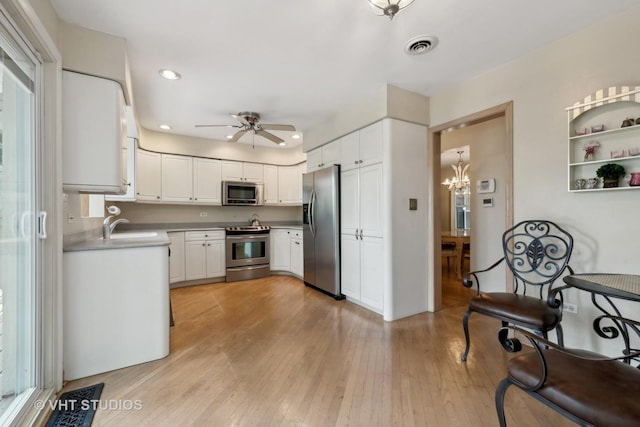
x: 241, y: 193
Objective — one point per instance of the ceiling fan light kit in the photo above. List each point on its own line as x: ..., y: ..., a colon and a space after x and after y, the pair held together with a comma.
x: 388, y: 7
x: 249, y: 121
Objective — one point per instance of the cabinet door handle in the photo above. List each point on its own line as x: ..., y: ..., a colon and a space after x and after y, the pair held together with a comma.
x: 158, y: 197
x: 356, y: 234
x: 361, y: 234
x: 297, y: 243
x: 355, y: 162
x: 203, y: 244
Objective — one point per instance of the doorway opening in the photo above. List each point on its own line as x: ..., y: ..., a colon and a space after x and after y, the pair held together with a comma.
x: 492, y: 147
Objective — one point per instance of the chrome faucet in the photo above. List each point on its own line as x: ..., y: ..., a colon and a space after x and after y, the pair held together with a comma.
x: 107, y: 227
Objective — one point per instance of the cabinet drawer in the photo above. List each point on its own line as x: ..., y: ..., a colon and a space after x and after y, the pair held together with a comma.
x: 204, y: 235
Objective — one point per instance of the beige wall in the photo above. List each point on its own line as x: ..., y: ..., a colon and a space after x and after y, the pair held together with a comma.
x: 191, y: 146
x: 542, y: 84
x: 140, y: 213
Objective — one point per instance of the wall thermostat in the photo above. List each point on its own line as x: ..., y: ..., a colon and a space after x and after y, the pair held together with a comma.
x: 486, y: 185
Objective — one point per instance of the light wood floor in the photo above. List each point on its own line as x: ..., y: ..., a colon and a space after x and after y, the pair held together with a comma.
x: 272, y: 352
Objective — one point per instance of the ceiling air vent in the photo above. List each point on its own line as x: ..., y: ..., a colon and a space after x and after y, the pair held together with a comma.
x: 420, y: 44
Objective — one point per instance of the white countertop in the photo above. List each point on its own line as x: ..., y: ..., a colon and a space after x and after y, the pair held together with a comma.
x: 122, y: 240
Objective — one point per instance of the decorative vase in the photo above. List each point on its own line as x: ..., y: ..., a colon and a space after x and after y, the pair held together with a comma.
x: 608, y: 182
x: 635, y: 179
x: 588, y: 157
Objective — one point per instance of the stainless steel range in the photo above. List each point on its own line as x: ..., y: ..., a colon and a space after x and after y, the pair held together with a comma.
x: 247, y: 252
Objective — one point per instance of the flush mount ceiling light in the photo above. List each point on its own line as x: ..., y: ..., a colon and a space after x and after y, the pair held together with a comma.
x: 165, y: 127
x: 420, y: 44
x: 170, y: 74
x: 388, y: 7
x: 461, y: 180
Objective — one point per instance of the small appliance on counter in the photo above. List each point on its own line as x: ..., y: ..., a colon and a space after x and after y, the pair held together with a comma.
x: 321, y: 230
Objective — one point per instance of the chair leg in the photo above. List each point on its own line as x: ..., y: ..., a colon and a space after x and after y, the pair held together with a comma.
x: 465, y: 326
x: 560, y: 335
x: 500, y: 392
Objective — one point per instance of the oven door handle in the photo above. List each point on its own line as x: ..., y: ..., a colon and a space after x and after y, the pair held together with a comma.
x: 312, y: 206
x: 248, y: 236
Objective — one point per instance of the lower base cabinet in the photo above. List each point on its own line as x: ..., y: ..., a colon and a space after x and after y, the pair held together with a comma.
x: 176, y: 257
x: 204, y: 254
x: 362, y: 270
x: 287, y: 250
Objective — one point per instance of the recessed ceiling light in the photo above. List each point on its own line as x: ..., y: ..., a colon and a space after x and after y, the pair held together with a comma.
x: 165, y: 127
x: 229, y: 136
x: 170, y: 74
x: 295, y: 136
x: 282, y: 143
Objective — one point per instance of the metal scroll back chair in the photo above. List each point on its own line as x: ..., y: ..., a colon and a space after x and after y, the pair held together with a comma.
x: 537, y: 253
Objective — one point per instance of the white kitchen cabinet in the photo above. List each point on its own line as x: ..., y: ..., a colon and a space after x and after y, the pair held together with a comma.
x: 176, y: 258
x: 361, y: 201
x: 297, y: 254
x: 204, y: 254
x: 327, y: 155
x: 362, y: 270
x: 362, y: 148
x: 177, y: 178
x: 130, y: 154
x: 289, y: 185
x: 242, y: 171
x: 280, y: 246
x: 148, y: 176
x: 207, y: 181
x: 94, y: 134
x: 270, y: 185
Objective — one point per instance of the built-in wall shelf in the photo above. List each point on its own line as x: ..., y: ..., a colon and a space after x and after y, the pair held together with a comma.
x: 605, y: 109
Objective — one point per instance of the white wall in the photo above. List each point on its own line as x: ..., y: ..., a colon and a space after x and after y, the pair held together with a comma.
x: 542, y: 84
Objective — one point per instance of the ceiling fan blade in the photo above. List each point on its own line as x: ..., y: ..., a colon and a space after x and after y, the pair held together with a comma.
x: 278, y: 127
x: 269, y: 136
x: 213, y: 126
x: 241, y: 119
x: 236, y: 136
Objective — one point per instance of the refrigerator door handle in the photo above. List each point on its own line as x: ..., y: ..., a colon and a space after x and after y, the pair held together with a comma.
x: 312, y: 205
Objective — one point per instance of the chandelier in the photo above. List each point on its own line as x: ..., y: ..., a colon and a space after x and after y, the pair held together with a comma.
x: 388, y: 7
x: 461, y: 180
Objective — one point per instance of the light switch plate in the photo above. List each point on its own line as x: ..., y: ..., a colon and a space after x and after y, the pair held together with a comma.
x: 413, y: 204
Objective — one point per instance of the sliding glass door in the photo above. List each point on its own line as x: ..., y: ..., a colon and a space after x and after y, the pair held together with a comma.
x: 20, y: 227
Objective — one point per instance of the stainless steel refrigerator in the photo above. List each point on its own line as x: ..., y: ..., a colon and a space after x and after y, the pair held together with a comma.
x: 321, y: 229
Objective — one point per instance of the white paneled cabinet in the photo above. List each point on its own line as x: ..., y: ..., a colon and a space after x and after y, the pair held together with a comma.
x: 204, y: 254
x: 176, y: 259
x: 94, y: 134
x: 286, y: 247
x: 280, y: 249
x: 327, y: 155
x: 177, y: 178
x: 270, y: 184
x: 148, y: 176
x: 130, y: 154
x: 241, y: 171
x: 362, y: 148
x: 207, y: 184
x: 289, y: 185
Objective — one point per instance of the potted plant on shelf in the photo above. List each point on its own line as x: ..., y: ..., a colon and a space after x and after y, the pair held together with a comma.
x: 610, y: 174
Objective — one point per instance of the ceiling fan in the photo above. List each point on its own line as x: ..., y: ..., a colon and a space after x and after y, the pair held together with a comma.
x: 249, y: 121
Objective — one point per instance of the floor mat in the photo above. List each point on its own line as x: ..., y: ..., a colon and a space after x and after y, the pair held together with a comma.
x: 75, y: 408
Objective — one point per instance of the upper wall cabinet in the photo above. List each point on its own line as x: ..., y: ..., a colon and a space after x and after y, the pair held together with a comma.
x: 604, y: 128
x: 177, y: 178
x: 129, y: 157
x: 207, y: 175
x: 362, y: 148
x: 240, y: 171
x: 327, y: 155
x: 148, y: 176
x: 94, y: 135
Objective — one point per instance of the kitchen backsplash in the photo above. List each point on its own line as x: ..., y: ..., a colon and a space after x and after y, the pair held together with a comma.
x: 141, y: 213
